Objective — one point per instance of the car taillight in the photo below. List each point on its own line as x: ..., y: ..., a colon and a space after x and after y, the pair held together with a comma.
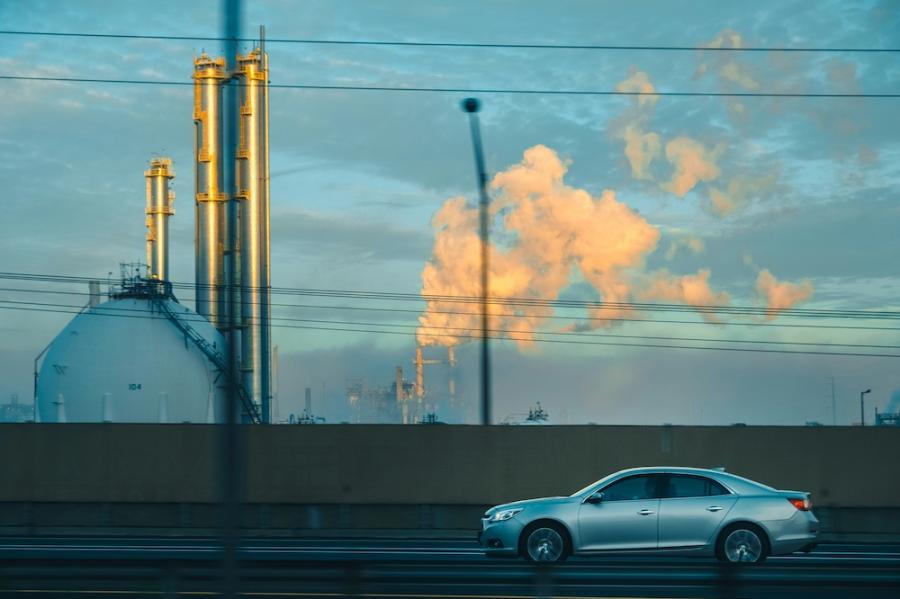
x: 804, y: 505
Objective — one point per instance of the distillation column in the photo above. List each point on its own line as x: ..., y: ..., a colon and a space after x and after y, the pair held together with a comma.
x: 209, y: 235
x: 160, y: 206
x: 252, y: 179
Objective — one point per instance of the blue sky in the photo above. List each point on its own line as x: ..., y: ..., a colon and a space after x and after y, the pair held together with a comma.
x: 357, y: 177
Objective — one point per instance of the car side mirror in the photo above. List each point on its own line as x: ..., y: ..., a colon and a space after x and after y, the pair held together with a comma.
x: 594, y: 498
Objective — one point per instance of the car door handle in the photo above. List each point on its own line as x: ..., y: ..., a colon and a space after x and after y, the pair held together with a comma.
x: 715, y: 508
x: 645, y: 512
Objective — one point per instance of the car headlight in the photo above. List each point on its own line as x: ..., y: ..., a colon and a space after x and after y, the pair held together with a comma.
x: 504, y: 515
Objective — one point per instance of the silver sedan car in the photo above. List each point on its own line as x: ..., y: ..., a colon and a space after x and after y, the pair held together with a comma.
x: 672, y: 510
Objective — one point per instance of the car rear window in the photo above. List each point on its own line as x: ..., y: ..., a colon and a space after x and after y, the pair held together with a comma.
x: 684, y: 485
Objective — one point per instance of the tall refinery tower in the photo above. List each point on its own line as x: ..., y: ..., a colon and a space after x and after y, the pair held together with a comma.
x: 251, y: 249
x: 160, y: 200
x: 209, y: 222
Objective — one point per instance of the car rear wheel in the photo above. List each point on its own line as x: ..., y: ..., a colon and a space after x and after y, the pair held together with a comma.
x: 742, y: 543
x: 545, y: 542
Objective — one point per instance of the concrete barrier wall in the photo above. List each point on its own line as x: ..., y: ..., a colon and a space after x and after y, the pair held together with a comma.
x: 447, y: 465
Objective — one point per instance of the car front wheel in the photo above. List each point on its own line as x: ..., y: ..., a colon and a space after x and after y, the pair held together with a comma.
x: 545, y: 542
x: 741, y: 544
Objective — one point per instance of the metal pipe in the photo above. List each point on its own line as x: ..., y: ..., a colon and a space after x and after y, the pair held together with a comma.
x: 209, y: 76
x: 266, y: 385
x: 160, y: 200
x: 251, y: 170
x: 420, y: 375
x: 472, y: 106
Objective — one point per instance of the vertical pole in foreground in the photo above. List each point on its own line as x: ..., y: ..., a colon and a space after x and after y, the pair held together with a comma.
x: 472, y: 106
x: 231, y: 442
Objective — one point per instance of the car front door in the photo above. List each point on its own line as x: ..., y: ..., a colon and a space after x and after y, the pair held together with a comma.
x: 624, y: 518
x: 691, y: 509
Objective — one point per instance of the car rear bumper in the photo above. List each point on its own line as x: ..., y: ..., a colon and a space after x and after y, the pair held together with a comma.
x: 798, y: 533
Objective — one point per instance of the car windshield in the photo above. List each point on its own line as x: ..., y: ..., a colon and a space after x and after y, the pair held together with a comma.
x: 592, y: 485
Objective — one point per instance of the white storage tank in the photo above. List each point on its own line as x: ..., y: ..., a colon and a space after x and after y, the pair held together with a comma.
x: 125, y: 360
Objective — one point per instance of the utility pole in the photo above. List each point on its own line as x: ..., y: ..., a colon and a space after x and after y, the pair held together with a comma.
x: 833, y: 403
x: 230, y: 476
x: 862, y: 407
x: 472, y: 106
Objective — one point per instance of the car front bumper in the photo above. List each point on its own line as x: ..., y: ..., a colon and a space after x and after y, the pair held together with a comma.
x: 500, y: 538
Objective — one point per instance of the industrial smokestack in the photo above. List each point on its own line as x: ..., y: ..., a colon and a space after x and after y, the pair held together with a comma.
x: 307, y: 404
x: 252, y: 180
x: 420, y: 375
x: 160, y: 201
x: 209, y: 77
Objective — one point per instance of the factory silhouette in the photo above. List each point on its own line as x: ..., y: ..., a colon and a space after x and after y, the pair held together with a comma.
x: 142, y: 356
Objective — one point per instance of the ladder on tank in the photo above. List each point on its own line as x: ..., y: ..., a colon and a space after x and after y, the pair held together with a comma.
x: 250, y: 409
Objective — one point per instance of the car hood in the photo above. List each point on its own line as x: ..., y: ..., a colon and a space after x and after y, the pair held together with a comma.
x: 528, y: 503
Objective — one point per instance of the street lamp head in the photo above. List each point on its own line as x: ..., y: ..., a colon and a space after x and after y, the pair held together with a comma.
x: 471, y: 105
x: 867, y: 391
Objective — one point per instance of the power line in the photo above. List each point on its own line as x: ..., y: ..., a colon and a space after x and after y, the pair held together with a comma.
x: 470, y: 91
x: 516, y: 339
x: 514, y: 301
x: 579, y: 317
x: 101, y: 310
x: 402, y: 44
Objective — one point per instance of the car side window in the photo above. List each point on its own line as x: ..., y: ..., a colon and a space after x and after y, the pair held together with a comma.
x: 633, y: 487
x: 683, y: 485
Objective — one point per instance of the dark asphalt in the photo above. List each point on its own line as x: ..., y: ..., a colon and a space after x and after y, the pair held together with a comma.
x: 185, y: 566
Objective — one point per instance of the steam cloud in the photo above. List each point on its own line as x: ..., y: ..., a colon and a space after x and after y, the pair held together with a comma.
x: 553, y: 232
x: 781, y: 295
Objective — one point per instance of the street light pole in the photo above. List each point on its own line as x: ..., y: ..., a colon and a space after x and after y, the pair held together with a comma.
x: 862, y: 407
x: 472, y: 106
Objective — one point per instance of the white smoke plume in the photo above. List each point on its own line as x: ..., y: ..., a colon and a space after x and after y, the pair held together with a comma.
x: 781, y: 295
x: 555, y: 231
x: 692, y: 290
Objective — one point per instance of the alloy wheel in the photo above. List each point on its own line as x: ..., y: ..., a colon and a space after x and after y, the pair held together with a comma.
x: 545, y: 545
x: 743, y: 545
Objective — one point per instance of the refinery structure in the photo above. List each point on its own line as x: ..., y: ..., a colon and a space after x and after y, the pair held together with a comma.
x: 141, y: 356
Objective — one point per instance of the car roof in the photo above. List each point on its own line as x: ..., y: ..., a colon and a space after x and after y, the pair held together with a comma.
x: 735, y: 482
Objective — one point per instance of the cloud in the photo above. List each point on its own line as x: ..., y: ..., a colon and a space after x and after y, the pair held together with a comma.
x: 693, y: 244
x: 693, y: 163
x: 781, y: 295
x: 692, y: 290
x: 640, y: 149
x: 639, y: 81
x: 723, y: 64
x: 740, y: 190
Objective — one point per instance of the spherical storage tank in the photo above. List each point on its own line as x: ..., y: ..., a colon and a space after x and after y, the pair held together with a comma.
x: 125, y: 360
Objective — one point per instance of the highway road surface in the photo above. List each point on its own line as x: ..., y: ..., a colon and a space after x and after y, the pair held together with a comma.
x: 191, y: 567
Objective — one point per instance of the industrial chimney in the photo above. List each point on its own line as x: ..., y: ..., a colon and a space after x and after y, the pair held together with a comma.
x: 209, y: 234
x: 160, y: 201
x: 252, y: 181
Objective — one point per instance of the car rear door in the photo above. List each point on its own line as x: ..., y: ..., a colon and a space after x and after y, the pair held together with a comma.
x: 626, y: 517
x: 691, y: 509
